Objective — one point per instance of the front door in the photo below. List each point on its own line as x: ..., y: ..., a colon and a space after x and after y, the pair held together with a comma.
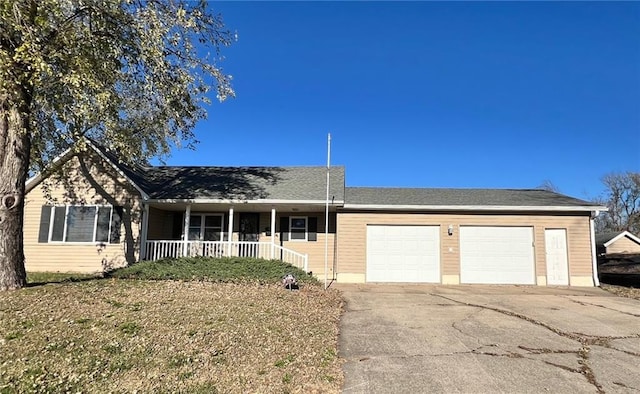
x: 249, y: 225
x: 556, y: 253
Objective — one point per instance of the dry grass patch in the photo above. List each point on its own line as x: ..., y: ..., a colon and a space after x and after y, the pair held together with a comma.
x: 169, y: 336
x: 622, y: 291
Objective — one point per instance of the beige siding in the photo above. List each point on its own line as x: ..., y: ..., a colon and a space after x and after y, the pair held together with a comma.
x: 624, y: 245
x: 351, y: 243
x: 89, y: 181
x: 314, y: 249
x: 265, y: 222
x: 160, y: 225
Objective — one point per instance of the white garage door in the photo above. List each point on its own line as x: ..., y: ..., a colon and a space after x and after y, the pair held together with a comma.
x: 403, y: 254
x: 500, y: 255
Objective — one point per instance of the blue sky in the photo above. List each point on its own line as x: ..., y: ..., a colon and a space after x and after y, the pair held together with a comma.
x: 432, y: 94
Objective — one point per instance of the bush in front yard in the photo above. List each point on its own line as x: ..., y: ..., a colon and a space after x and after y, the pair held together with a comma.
x: 225, y: 269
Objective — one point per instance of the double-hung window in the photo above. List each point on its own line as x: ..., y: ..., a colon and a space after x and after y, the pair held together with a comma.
x: 298, y: 228
x: 205, y: 227
x: 80, y: 223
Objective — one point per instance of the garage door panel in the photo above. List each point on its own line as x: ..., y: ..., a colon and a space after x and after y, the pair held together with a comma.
x: 497, y: 255
x: 403, y: 253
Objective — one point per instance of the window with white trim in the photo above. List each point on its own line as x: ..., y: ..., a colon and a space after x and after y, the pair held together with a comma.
x: 205, y: 227
x: 80, y: 224
x: 298, y: 227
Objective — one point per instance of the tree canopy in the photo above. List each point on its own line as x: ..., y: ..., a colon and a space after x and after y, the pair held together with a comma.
x: 133, y: 74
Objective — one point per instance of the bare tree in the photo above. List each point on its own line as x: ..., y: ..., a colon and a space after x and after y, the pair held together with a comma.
x: 622, y: 197
x: 548, y: 186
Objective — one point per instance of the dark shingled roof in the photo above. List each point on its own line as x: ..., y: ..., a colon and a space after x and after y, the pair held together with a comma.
x: 460, y: 197
x: 603, y: 238
x: 241, y: 183
x: 235, y: 183
x: 309, y: 184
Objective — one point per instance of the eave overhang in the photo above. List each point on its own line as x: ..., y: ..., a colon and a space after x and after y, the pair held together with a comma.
x: 472, y: 208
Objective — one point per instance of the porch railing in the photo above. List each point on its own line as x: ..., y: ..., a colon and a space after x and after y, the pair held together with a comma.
x: 155, y: 250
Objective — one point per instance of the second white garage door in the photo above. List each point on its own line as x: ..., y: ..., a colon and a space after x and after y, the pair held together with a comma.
x: 497, y: 255
x: 403, y: 253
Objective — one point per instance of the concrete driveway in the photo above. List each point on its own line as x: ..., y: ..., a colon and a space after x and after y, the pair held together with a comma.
x: 481, y: 339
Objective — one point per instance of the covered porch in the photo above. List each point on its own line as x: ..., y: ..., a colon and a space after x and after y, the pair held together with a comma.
x: 293, y: 233
x: 155, y: 250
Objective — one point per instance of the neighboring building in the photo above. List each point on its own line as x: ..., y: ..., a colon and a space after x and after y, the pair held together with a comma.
x: 106, y: 214
x: 619, y: 242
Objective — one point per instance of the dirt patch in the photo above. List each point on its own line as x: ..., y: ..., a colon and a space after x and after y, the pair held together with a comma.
x: 619, y: 264
x: 622, y: 291
x: 125, y: 336
x: 620, y: 269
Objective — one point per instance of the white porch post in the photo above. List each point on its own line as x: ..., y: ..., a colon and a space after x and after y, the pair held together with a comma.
x: 185, y: 237
x: 230, y: 231
x: 273, y: 233
x: 145, y: 230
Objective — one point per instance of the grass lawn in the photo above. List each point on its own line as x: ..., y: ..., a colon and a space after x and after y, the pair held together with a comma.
x: 229, y: 330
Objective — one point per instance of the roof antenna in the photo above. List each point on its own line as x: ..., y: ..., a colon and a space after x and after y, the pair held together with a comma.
x: 326, y: 215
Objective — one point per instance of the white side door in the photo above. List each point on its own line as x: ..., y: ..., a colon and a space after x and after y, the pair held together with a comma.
x: 555, y: 241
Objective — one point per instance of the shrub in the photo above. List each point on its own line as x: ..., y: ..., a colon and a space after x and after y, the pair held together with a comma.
x: 225, y: 269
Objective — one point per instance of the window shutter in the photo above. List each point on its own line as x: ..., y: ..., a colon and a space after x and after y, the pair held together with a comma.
x: 45, y: 220
x: 284, y: 228
x: 312, y: 229
x: 116, y: 223
x: 59, y: 219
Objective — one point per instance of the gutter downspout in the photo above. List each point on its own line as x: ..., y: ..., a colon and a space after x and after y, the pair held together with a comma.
x: 594, y: 261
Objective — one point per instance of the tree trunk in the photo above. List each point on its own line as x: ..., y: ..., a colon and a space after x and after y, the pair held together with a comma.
x: 15, y: 149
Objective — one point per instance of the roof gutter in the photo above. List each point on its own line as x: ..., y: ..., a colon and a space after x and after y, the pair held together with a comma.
x: 57, y: 161
x: 491, y: 208
x: 236, y: 201
x: 594, y: 261
x: 60, y: 160
x: 143, y: 194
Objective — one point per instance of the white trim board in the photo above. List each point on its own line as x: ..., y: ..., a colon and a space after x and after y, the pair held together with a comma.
x: 35, y: 180
x: 622, y: 234
x: 475, y: 208
x: 230, y: 201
